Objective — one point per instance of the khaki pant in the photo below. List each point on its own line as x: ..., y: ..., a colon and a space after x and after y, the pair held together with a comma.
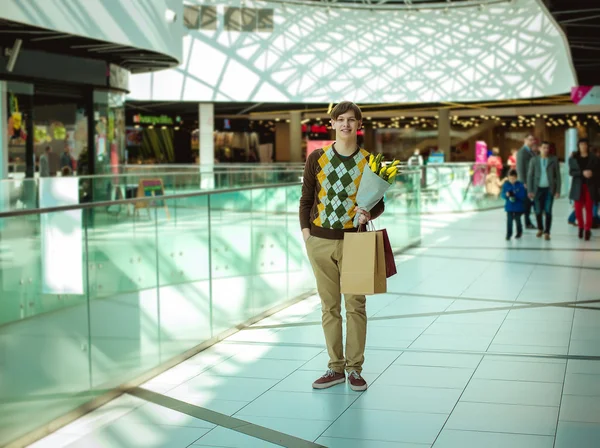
x: 326, y: 259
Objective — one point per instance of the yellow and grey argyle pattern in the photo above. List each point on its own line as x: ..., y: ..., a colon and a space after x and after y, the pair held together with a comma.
x: 339, y: 178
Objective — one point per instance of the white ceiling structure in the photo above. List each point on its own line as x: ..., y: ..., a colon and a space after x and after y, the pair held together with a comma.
x: 316, y: 54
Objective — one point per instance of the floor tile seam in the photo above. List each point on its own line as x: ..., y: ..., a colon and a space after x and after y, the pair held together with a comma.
x: 463, y: 391
x: 261, y: 415
x: 420, y: 386
x: 427, y: 328
x: 596, y: 423
x: 203, y: 371
x: 459, y: 352
x: 134, y: 408
x: 407, y: 411
x: 307, y: 420
x: 566, y: 367
x: 521, y: 405
x: 358, y: 397
x: 457, y: 402
x: 277, y: 383
x: 475, y: 370
x: 513, y: 262
x: 256, y: 398
x: 535, y: 434
x: 500, y: 301
x: 580, y: 395
x: 431, y: 367
x: 516, y: 380
x: 311, y: 392
x: 514, y: 249
x: 375, y: 440
x: 516, y: 344
x: 240, y: 424
x: 500, y: 432
x: 582, y: 373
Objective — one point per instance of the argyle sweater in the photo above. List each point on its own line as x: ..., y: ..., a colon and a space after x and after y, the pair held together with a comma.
x: 329, y: 188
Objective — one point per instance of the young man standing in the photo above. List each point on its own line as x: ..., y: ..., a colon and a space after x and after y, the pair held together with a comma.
x: 544, y: 183
x: 524, y: 157
x: 327, y: 209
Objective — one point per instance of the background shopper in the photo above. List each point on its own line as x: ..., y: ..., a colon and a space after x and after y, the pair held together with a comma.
x: 584, y: 168
x: 514, y: 194
x: 494, y: 162
x: 544, y: 184
x: 524, y: 157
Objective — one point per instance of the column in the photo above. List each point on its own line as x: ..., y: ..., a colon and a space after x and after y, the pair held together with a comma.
x: 541, y: 132
x: 444, y: 142
x: 296, y: 137
x: 3, y: 132
x: 206, y: 127
x: 3, y: 155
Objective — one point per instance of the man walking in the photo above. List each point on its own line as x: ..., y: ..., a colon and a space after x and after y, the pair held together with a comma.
x: 45, y: 162
x: 65, y: 158
x: 524, y: 157
x: 327, y: 209
x: 544, y: 182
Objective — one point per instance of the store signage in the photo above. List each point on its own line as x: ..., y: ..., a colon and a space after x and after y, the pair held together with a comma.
x: 586, y: 95
x: 153, y: 119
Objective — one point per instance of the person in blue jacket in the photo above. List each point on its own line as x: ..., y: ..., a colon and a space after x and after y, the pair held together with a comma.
x: 514, y: 193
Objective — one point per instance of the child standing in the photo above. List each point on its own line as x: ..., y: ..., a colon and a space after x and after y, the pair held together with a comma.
x: 514, y: 193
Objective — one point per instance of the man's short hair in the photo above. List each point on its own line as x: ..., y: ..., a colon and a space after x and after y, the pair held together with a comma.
x: 583, y: 140
x: 530, y: 135
x: 545, y: 143
x: 48, y: 148
x: 346, y: 106
x: 512, y: 173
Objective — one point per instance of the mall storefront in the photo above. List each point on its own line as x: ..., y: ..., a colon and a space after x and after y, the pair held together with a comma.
x: 75, y: 108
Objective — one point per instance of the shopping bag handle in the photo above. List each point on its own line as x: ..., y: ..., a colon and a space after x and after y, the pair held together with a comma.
x: 370, y: 227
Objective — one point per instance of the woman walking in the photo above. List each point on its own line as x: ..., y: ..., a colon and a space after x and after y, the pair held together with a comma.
x: 584, y: 168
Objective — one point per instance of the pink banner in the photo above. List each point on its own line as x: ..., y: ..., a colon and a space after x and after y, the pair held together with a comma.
x: 586, y: 95
x: 481, y: 156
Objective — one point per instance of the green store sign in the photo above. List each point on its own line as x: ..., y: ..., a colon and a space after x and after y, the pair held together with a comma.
x: 154, y: 119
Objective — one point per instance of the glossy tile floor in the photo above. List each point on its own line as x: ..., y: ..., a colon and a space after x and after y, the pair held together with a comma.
x: 479, y: 343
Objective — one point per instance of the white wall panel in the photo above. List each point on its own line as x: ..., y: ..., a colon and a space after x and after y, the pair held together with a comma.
x: 316, y: 55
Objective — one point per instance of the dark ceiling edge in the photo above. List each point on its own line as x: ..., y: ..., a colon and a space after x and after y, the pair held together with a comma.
x: 133, y: 59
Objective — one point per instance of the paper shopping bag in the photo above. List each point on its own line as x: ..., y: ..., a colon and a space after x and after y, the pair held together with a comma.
x: 363, y: 264
x: 390, y: 263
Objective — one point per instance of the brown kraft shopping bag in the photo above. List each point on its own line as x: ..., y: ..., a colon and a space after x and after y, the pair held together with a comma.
x: 363, y: 264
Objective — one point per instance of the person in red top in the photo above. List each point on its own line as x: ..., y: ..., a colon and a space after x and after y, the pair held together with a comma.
x: 512, y: 159
x: 495, y: 161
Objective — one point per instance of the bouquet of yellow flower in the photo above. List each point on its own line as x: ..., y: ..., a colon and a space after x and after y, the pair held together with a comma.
x: 374, y: 183
x: 386, y: 172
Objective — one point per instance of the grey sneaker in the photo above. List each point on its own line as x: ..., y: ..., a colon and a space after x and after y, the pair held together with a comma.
x: 331, y: 378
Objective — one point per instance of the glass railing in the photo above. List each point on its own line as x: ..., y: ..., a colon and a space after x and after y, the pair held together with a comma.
x: 16, y: 194
x: 163, y: 168
x: 463, y: 187
x: 90, y: 300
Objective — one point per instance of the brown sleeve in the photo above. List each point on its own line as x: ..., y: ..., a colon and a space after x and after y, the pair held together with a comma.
x: 377, y: 211
x: 309, y: 181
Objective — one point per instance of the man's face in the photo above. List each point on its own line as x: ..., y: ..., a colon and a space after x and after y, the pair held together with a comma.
x: 583, y: 146
x: 346, y: 125
x: 544, y: 150
x: 512, y: 179
x: 529, y: 141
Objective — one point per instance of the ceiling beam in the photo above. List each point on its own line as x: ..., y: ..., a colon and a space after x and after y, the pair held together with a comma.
x: 249, y: 108
x: 579, y: 19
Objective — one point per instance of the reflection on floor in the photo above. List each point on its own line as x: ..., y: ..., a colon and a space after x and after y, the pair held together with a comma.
x: 479, y: 343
